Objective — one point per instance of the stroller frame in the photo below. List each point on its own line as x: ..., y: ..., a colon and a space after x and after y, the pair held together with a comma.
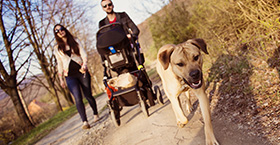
x: 133, y: 95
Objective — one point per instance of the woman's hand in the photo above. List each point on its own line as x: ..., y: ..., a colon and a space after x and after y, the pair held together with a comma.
x: 62, y: 83
x: 84, y: 67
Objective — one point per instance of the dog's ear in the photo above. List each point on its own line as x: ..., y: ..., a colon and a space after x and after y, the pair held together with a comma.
x: 164, y: 55
x: 200, y: 43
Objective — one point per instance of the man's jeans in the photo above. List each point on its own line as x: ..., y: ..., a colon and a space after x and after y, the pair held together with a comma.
x: 78, y: 84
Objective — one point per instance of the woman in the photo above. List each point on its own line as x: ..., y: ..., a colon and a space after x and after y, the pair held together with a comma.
x: 72, y: 64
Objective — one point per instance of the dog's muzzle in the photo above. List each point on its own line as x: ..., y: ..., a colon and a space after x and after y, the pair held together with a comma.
x: 196, y: 79
x: 194, y: 85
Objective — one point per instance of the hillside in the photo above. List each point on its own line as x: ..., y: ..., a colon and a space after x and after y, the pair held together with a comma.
x: 243, y: 68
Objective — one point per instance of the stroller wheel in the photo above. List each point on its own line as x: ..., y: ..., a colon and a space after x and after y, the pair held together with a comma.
x: 159, y: 95
x: 116, y: 121
x: 144, y: 108
x: 143, y: 105
x: 114, y: 113
x: 150, y: 96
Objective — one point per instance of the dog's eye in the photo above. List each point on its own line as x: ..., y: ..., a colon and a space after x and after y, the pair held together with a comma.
x: 180, y: 64
x: 196, y: 58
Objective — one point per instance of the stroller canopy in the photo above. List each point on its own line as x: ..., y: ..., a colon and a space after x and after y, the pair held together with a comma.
x: 110, y: 35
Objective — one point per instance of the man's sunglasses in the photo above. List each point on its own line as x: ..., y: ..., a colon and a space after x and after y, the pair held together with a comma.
x: 60, y: 29
x: 109, y: 4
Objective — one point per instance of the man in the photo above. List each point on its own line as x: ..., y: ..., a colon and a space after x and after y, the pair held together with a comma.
x: 128, y: 25
x: 121, y: 17
x: 131, y: 31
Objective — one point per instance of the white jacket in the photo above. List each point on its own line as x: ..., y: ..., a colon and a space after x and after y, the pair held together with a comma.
x: 63, y: 60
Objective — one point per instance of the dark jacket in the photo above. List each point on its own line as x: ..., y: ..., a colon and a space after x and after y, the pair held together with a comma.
x: 125, y: 20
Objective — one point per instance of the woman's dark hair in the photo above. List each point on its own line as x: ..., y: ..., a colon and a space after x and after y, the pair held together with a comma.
x: 70, y: 41
x: 104, y: 0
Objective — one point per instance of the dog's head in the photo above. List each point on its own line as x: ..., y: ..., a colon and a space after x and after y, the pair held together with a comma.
x: 185, y: 60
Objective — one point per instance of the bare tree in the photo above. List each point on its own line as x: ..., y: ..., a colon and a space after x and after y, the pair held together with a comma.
x: 38, y: 20
x: 33, y: 30
x: 13, y: 47
x: 30, y: 31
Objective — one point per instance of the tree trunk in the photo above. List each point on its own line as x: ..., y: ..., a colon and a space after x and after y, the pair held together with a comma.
x: 25, y: 122
x: 25, y: 106
x: 68, y: 97
x: 98, y: 84
x: 50, y: 81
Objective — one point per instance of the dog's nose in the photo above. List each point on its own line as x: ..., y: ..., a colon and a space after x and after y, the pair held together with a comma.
x: 195, y: 74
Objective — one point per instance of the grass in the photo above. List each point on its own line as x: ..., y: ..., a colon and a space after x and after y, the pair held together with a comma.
x: 45, y: 128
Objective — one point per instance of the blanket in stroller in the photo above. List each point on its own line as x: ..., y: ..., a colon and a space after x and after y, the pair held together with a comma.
x: 123, y: 81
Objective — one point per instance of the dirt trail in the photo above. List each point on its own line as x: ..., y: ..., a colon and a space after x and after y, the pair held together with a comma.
x: 158, y: 129
x: 71, y: 129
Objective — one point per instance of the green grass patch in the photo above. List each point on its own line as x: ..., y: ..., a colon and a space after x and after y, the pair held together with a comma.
x: 45, y: 128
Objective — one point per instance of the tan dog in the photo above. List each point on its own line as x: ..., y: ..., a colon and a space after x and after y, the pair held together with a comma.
x: 180, y: 68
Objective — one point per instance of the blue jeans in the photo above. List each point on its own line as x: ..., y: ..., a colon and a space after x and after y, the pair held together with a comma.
x: 77, y: 85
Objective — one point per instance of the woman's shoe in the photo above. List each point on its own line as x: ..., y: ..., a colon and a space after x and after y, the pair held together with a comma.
x: 85, y: 125
x: 95, y: 118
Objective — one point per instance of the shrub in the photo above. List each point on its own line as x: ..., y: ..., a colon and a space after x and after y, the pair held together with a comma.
x: 232, y: 24
x: 171, y: 25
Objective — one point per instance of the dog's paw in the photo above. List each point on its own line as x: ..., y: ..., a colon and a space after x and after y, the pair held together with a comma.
x: 181, y: 125
x: 212, y: 142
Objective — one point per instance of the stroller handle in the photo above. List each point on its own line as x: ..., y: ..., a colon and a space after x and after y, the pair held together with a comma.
x: 136, y: 46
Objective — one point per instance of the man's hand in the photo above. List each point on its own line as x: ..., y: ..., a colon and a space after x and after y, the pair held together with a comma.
x: 128, y: 36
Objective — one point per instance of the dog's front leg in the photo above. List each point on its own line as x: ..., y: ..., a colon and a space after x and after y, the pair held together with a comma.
x: 188, y: 102
x: 205, y: 109
x: 181, y: 118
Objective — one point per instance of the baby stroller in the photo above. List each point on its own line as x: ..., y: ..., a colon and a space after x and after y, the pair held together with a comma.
x: 121, y: 55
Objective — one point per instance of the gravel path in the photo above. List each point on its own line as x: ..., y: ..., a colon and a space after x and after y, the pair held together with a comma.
x: 158, y: 129
x: 71, y: 130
